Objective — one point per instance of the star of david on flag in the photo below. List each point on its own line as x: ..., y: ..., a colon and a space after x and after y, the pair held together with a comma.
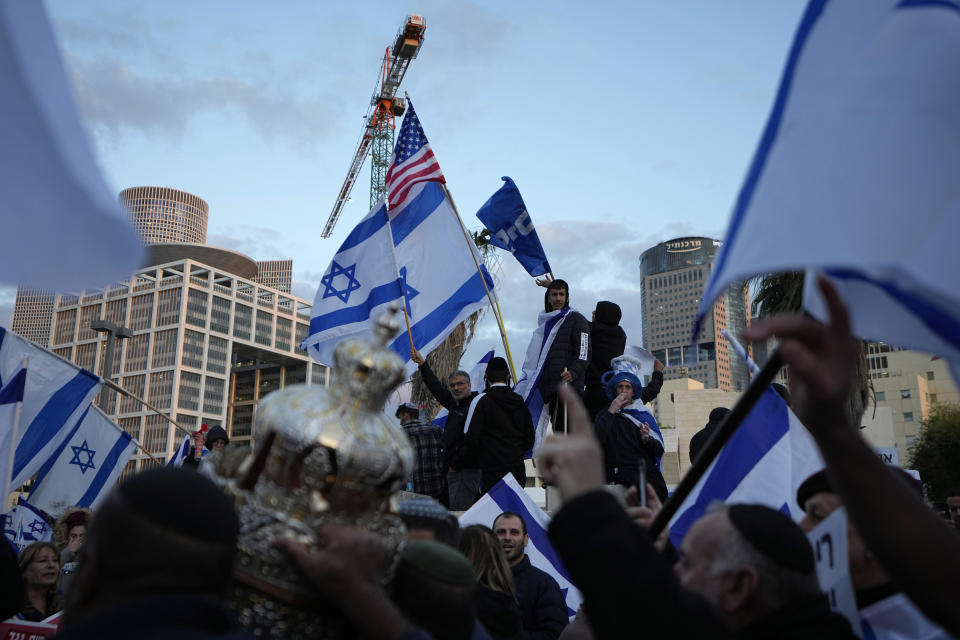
x: 416, y: 256
x: 83, y: 449
x: 85, y: 467
x: 328, y: 281
x: 25, y: 524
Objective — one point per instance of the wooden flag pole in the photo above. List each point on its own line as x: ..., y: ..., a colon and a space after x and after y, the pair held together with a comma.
x: 493, y: 306
x: 715, y: 444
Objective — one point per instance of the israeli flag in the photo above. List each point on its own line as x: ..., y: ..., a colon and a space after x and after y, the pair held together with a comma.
x: 507, y: 495
x: 25, y: 524
x: 548, y: 323
x: 183, y: 451
x: 476, y: 384
x: 505, y: 217
x: 65, y: 214
x: 420, y: 258
x: 638, y: 414
x: 857, y: 167
x: 765, y: 461
x: 56, y: 394
x: 11, y: 397
x: 85, y: 467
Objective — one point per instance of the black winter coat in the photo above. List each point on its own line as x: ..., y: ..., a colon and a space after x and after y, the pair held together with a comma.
x: 456, y: 416
x: 542, y: 607
x: 623, y: 447
x: 607, y: 340
x: 571, y: 351
x: 500, y: 432
x: 499, y: 613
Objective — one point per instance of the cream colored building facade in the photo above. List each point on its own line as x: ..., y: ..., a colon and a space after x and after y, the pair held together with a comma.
x: 909, y: 383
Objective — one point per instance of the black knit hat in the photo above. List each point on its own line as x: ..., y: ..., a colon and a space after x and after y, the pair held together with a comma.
x: 408, y: 407
x: 774, y: 535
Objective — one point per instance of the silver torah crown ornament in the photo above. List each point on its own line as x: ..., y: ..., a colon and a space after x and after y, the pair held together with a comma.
x: 321, y: 455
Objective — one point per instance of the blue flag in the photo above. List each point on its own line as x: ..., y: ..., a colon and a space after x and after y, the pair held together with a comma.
x: 505, y: 216
x: 85, y: 466
x: 56, y: 394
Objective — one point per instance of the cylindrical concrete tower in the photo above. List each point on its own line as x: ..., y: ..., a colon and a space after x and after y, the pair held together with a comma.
x: 164, y: 215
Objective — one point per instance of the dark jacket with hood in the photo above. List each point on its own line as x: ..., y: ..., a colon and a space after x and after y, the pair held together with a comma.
x: 607, y: 340
x: 570, y: 350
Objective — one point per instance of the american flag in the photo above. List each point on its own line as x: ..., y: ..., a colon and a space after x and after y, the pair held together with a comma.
x: 413, y: 161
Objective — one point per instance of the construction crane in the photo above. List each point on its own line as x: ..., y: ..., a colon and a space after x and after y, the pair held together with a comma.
x: 379, y: 123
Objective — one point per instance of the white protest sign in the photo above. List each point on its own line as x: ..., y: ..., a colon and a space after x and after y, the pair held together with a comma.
x: 888, y: 455
x: 829, y: 542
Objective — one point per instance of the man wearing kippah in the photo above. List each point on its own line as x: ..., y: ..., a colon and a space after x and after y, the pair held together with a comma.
x: 498, y: 430
x: 885, y: 611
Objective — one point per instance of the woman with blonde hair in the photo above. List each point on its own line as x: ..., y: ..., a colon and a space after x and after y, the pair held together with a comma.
x: 497, y: 606
x: 40, y: 566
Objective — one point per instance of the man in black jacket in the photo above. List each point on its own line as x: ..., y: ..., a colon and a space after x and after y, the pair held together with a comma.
x: 498, y: 432
x: 569, y: 354
x: 607, y: 341
x: 542, y: 606
x: 463, y: 485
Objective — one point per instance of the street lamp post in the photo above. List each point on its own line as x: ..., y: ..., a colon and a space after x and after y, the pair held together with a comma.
x: 114, y: 332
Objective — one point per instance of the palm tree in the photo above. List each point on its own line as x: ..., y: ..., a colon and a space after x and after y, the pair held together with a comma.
x: 778, y: 293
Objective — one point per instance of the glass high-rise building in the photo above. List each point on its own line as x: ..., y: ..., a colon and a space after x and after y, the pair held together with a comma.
x: 673, y: 276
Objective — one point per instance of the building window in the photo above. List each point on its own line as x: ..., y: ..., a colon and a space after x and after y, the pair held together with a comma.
x: 189, y: 397
x: 161, y: 389
x: 217, y: 355
x: 283, y: 333
x: 66, y: 322
x: 242, y: 321
x: 137, y: 349
x: 165, y: 348
x: 213, y: 392
x: 168, y: 307
x: 904, y: 393
x: 220, y: 315
x: 930, y: 375
x: 133, y: 384
x: 155, y: 434
x: 264, y: 328
x: 192, y: 349
x: 197, y: 308
x: 88, y: 315
x: 242, y: 420
x: 907, y: 416
x: 881, y: 396
x: 141, y: 311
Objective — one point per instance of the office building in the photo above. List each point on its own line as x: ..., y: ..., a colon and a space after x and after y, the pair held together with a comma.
x: 275, y: 273
x: 32, y: 313
x: 162, y: 215
x: 673, y: 275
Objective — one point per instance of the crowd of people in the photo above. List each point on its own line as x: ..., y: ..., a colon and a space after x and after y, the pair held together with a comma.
x: 156, y: 558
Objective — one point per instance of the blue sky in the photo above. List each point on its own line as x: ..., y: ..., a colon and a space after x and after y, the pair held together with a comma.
x: 623, y: 125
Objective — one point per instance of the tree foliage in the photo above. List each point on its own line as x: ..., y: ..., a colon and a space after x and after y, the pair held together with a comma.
x: 937, y: 451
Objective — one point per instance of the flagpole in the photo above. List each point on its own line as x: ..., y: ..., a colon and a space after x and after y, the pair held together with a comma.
x: 494, y: 307
x: 11, y: 458
x: 715, y: 444
x: 396, y: 268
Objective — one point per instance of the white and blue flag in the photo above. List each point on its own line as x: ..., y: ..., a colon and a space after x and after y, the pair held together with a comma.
x: 24, y: 524
x: 765, y: 461
x: 56, y: 394
x: 11, y: 397
x: 85, y: 466
x: 183, y: 451
x: 857, y: 167
x: 476, y: 384
x: 548, y: 324
x: 507, y: 495
x: 417, y: 255
x: 65, y: 229
x: 639, y: 414
x: 505, y: 217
